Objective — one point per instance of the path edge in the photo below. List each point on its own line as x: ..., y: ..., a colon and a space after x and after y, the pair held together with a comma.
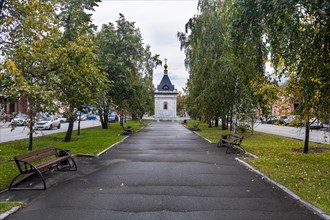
x: 309, y: 206
x: 11, y: 211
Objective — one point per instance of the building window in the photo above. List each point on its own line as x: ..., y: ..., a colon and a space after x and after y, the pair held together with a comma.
x: 165, y: 106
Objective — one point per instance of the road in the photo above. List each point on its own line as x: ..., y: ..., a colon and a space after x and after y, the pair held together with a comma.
x: 319, y: 136
x: 21, y: 132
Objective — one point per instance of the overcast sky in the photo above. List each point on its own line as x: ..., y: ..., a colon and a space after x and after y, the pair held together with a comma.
x: 159, y: 21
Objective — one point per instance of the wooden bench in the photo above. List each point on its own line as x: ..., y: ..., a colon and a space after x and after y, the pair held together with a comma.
x: 127, y: 130
x: 232, y: 142
x: 41, y: 160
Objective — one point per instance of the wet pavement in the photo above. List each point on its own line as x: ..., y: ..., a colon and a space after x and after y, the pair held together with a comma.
x: 164, y: 171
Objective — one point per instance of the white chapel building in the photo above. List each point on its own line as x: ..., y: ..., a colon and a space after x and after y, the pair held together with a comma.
x: 165, y: 99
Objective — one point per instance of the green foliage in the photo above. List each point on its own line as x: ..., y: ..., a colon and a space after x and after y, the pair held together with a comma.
x: 225, y: 62
x: 29, y: 32
x: 299, y: 49
x: 297, y: 122
x: 229, y: 43
x: 243, y: 127
x: 129, y: 67
x: 195, y: 127
x: 80, y: 80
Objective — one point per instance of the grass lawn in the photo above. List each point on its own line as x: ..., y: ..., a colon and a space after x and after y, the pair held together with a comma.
x: 6, y: 206
x: 90, y: 141
x: 281, y: 158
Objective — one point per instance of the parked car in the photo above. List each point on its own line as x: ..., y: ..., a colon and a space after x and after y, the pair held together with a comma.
x: 20, y: 120
x: 48, y: 123
x: 62, y: 118
x: 315, y: 123
x: 272, y: 120
x: 289, y: 119
x: 113, y: 117
x: 91, y: 117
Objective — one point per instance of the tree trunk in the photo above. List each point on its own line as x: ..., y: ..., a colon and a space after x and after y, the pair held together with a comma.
x: 224, y: 122
x: 79, y: 119
x: 216, y: 122
x: 306, y: 137
x: 31, y: 135
x: 70, y: 128
x: 210, y: 123
x: 134, y: 116
x: 104, y: 119
x: 252, y: 124
x: 101, y: 119
x: 121, y: 118
x: 234, y: 124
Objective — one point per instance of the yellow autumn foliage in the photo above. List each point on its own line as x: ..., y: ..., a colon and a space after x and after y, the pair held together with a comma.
x: 11, y: 65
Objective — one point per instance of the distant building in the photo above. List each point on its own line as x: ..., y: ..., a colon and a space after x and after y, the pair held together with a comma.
x: 14, y: 107
x: 165, y: 99
x: 285, y: 105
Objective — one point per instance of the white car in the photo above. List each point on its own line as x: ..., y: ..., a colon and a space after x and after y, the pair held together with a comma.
x: 20, y: 120
x: 48, y: 123
x: 315, y: 123
x: 289, y: 119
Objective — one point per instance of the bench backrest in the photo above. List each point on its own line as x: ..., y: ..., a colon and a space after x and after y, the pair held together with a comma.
x: 32, y: 156
x: 125, y: 127
x: 237, y: 138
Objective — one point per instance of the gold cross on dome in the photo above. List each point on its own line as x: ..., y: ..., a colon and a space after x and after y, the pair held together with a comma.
x: 165, y: 66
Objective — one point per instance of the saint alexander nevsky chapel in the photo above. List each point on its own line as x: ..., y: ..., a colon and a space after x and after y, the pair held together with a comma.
x: 165, y: 98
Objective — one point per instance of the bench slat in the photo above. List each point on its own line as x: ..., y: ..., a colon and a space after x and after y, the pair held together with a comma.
x: 40, y: 156
x: 32, y: 153
x: 52, y: 162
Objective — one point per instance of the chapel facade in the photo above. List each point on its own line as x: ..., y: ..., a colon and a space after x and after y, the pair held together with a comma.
x: 165, y: 99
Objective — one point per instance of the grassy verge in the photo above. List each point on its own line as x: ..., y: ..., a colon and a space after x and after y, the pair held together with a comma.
x: 6, y: 206
x: 90, y: 141
x: 281, y: 158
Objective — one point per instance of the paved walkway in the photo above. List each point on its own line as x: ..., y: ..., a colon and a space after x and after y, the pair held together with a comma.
x: 163, y: 172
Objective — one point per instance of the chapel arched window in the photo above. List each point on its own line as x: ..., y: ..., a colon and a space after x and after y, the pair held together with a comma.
x: 165, y: 105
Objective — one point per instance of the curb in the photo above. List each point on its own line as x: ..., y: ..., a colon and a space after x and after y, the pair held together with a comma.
x: 309, y: 206
x: 105, y: 150
x: 203, y: 137
x: 102, y: 152
x: 11, y: 211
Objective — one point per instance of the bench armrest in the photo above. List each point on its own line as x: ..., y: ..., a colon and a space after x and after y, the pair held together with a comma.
x: 58, y: 150
x: 25, y: 167
x: 224, y: 136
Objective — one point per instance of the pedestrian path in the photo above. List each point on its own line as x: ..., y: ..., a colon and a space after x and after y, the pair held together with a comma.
x: 164, y: 171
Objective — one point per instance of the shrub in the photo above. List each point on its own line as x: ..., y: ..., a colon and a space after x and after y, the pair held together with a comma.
x: 243, y: 127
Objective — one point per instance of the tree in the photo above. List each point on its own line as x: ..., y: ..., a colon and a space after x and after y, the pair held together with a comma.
x: 300, y: 50
x: 80, y: 80
x: 210, y: 62
x: 28, y: 44
x: 129, y: 67
x: 180, y: 100
x: 225, y: 55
